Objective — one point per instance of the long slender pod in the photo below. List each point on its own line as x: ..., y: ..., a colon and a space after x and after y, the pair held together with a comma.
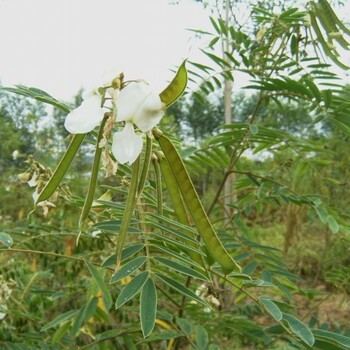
x: 177, y: 201
x: 145, y: 167
x: 61, y: 169
x: 194, y: 205
x: 158, y: 182
x: 130, y: 202
x: 93, y: 177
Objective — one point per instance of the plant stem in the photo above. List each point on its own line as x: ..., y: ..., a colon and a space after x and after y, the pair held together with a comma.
x: 145, y: 167
x: 39, y: 252
x: 130, y: 202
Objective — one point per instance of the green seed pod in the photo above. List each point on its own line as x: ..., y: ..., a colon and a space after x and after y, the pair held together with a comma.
x: 194, y: 205
x: 176, y: 88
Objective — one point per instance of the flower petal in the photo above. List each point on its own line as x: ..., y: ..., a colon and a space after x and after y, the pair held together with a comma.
x: 86, y: 117
x: 35, y: 196
x: 150, y: 113
x: 129, y: 100
x: 126, y: 145
x: 138, y: 103
x: 33, y: 181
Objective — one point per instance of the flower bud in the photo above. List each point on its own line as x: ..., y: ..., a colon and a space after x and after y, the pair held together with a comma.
x: 307, y: 21
x: 335, y: 35
x: 260, y: 34
x: 25, y: 177
x: 116, y: 83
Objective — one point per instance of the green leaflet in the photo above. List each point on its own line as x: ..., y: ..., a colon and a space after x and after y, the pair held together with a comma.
x: 181, y: 268
x: 181, y: 288
x: 6, y: 239
x: 323, y: 42
x: 126, y: 253
x: 128, y: 268
x: 60, y: 319
x: 184, y: 325
x: 333, y: 225
x: 180, y: 245
x: 299, y: 329
x: 131, y: 289
x: 175, y: 254
x: 202, y: 338
x: 98, y: 278
x: 113, y: 226
x: 176, y: 87
x: 334, y: 338
x: 85, y: 313
x: 60, y: 332
x: 148, y: 307
x: 190, y: 196
x: 163, y: 336
x: 271, y: 308
x: 177, y: 233
x: 62, y: 168
x: 183, y: 227
x: 37, y: 94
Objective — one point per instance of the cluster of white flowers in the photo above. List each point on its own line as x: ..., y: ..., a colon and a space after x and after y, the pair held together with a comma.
x: 203, y: 292
x: 37, y: 176
x: 135, y: 104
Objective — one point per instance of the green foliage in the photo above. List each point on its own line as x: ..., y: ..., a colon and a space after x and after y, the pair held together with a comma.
x: 153, y: 267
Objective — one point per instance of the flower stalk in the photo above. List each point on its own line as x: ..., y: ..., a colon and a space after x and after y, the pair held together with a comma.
x: 130, y: 203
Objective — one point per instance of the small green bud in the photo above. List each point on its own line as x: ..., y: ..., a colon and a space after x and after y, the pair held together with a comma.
x: 331, y: 46
x: 116, y: 83
x: 334, y: 35
x: 260, y: 34
x: 307, y: 21
x: 157, y: 133
x: 159, y: 154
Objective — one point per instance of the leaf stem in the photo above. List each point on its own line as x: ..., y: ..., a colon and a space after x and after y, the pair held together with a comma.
x: 39, y: 252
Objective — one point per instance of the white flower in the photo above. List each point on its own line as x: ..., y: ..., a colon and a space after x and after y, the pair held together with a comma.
x: 3, y: 314
x: 127, y: 145
x: 15, y: 154
x: 86, y: 117
x: 96, y: 233
x: 44, y: 204
x: 136, y: 104
x: 90, y: 113
x: 33, y: 181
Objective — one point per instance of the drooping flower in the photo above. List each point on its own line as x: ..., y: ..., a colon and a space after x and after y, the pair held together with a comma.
x: 91, y: 112
x: 126, y: 145
x: 136, y: 104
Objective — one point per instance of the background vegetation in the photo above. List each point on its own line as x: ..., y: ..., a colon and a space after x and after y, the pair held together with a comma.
x: 283, y: 217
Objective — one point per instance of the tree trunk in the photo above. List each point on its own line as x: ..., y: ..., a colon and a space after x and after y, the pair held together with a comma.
x: 228, y: 189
